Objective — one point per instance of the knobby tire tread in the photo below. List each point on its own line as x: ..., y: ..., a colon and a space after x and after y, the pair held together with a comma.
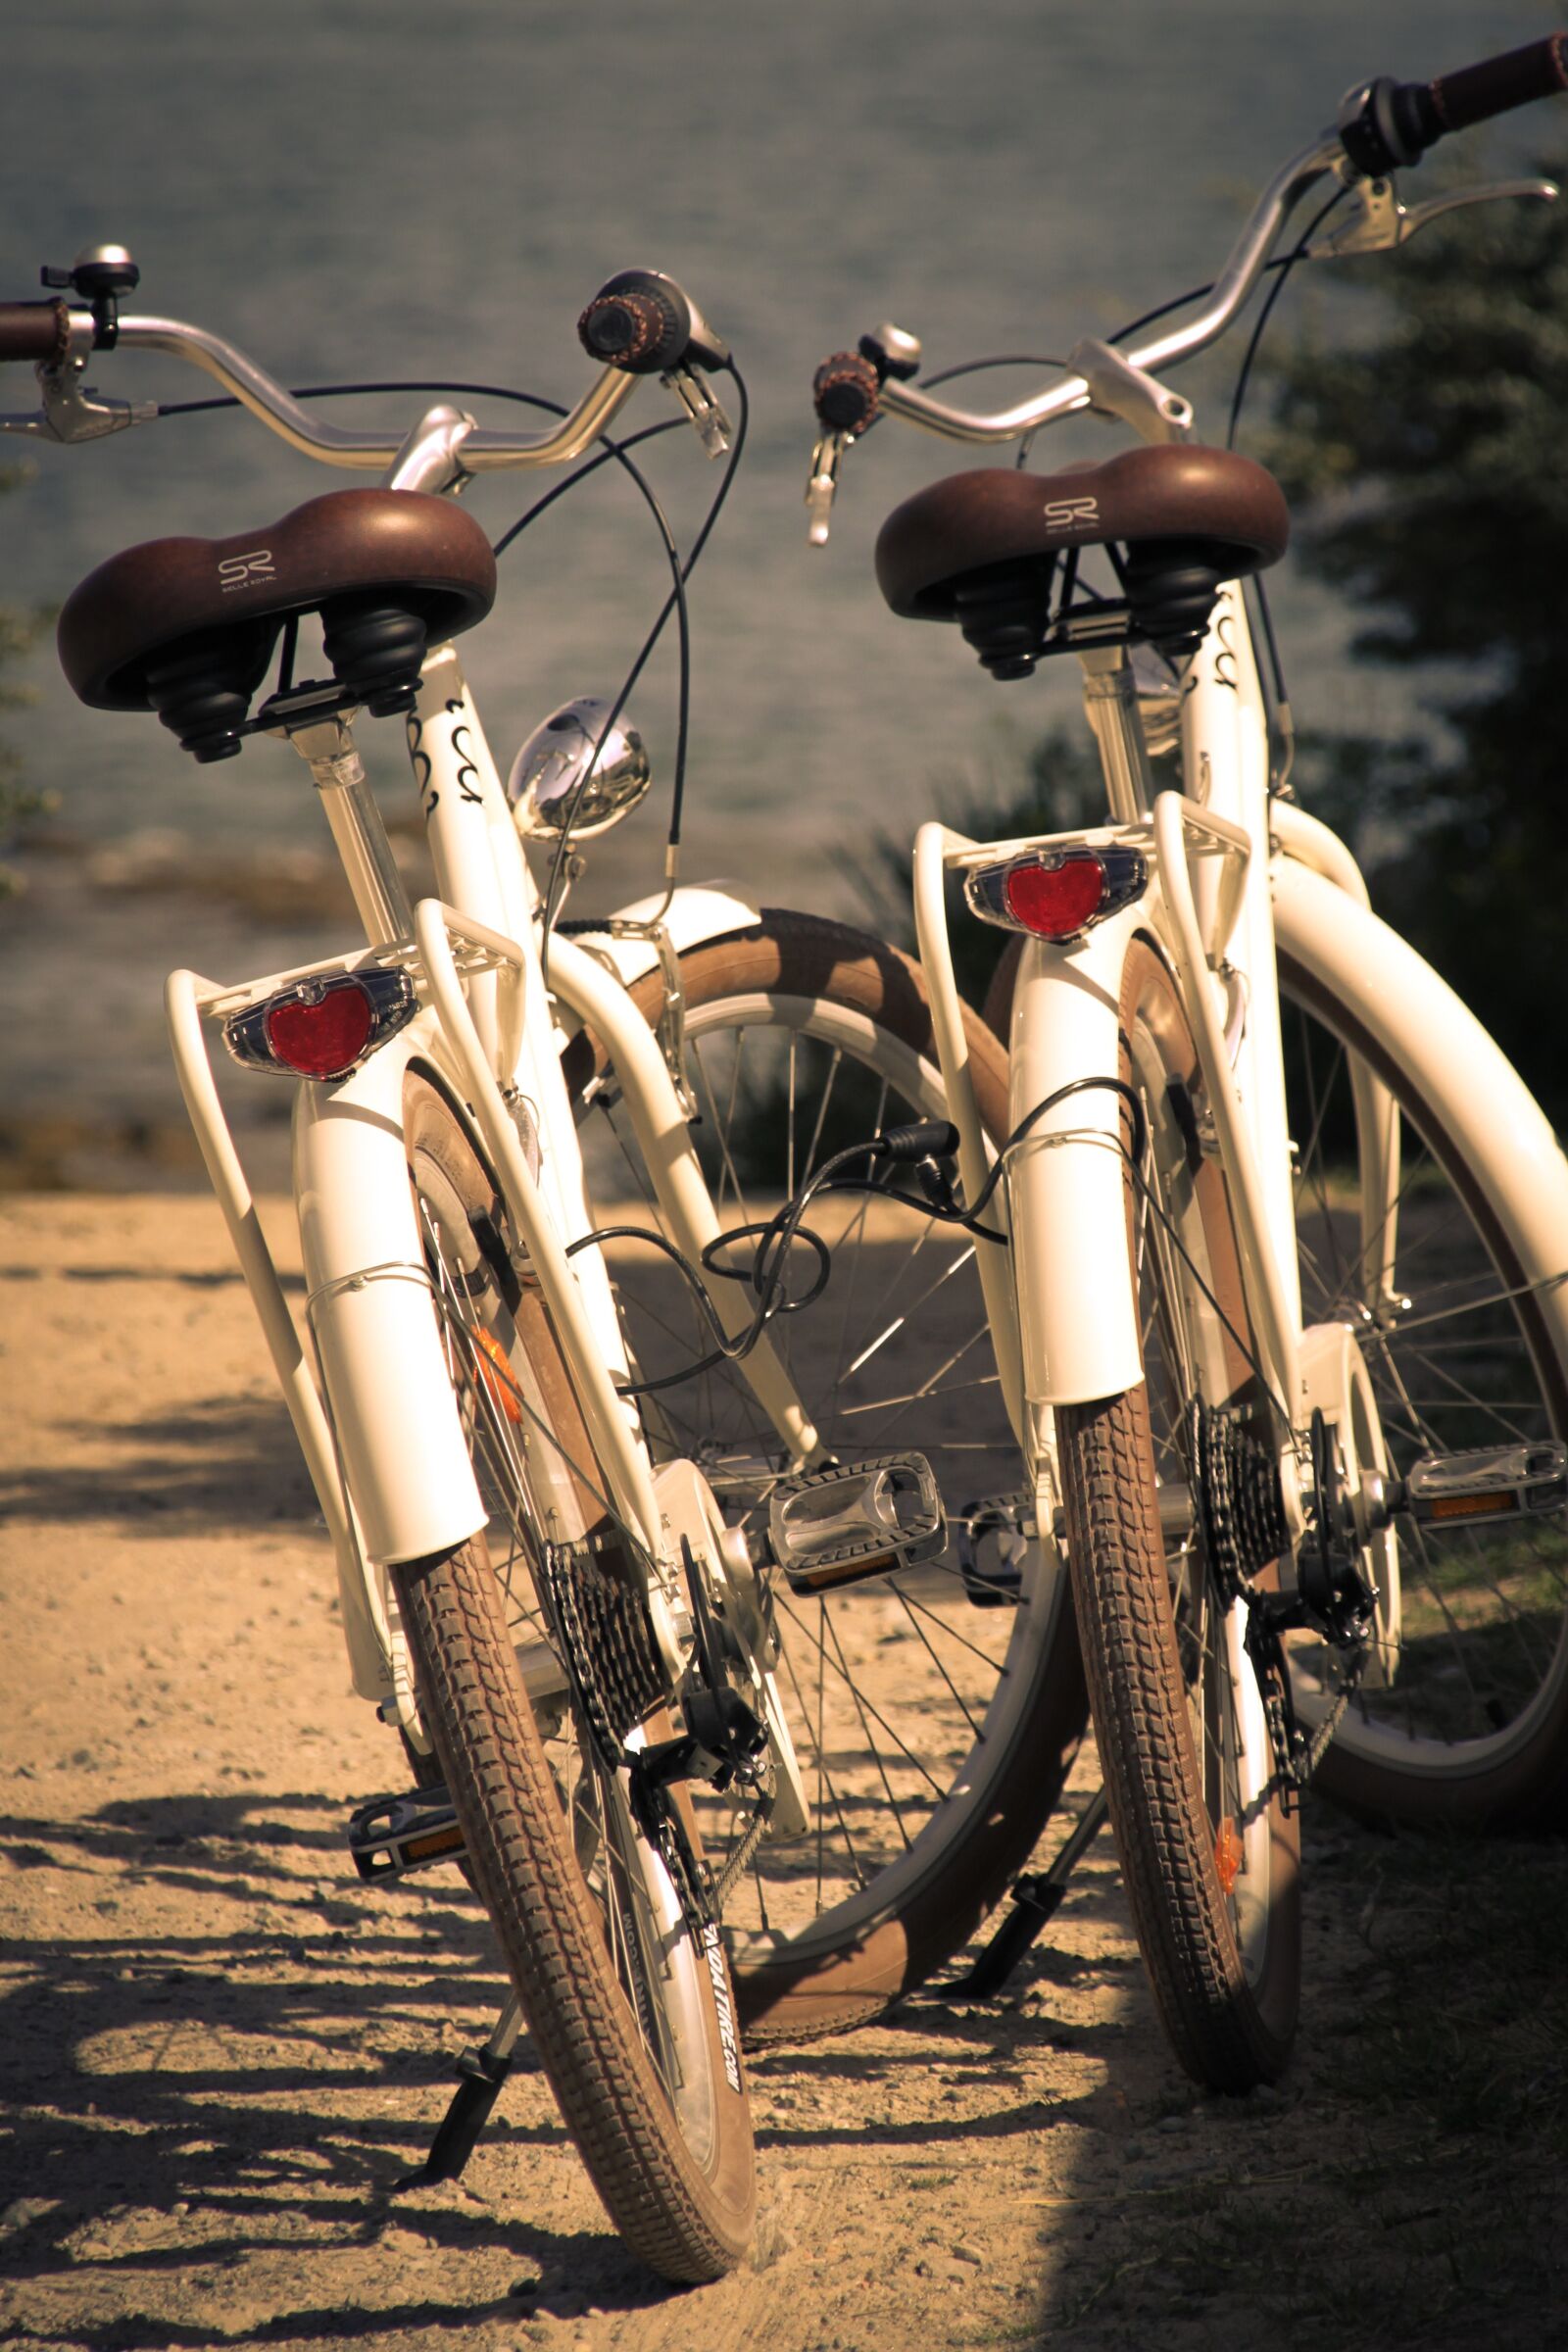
x: 511, y: 1815
x: 1137, y: 1703
x: 1227, y: 2032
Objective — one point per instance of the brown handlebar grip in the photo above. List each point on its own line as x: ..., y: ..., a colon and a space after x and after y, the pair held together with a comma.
x: 1473, y: 94
x: 35, y: 330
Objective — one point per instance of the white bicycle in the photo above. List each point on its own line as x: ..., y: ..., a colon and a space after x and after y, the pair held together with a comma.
x: 593, y: 1500
x: 1301, y: 1441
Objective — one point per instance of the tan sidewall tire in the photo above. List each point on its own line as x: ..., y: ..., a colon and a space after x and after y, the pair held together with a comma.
x: 689, y: 2223
x: 1228, y: 2033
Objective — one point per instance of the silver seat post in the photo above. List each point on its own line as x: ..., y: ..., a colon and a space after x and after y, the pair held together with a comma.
x: 326, y: 746
x: 1110, y: 706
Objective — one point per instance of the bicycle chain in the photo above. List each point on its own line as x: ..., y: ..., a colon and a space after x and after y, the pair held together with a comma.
x: 766, y: 1784
x: 607, y: 1643
x: 1287, y: 1783
x: 1236, y: 1484
x: 1241, y: 1516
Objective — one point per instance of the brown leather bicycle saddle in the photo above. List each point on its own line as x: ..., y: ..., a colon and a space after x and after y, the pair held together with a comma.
x: 982, y: 548
x: 187, y: 627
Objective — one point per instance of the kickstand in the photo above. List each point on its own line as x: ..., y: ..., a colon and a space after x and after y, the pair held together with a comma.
x: 1036, y: 1896
x: 481, y: 2074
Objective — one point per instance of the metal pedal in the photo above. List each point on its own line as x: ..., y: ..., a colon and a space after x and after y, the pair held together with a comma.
x: 392, y: 1836
x: 832, y: 1527
x: 1494, y: 1482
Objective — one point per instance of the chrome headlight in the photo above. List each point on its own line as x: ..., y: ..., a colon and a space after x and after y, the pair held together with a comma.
x: 555, y: 779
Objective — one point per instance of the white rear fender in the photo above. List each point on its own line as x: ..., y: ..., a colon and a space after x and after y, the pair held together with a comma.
x: 1077, y: 1317
x: 373, y: 1315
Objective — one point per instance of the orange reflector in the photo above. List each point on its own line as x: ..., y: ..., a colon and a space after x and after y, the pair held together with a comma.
x: 1226, y: 1854
x: 500, y: 1382
x: 439, y: 1842
x: 1474, y: 1507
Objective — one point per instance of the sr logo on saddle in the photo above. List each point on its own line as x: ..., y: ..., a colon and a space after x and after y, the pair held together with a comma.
x: 238, y: 571
x: 1061, y: 513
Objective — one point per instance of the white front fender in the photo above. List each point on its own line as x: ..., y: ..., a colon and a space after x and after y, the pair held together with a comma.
x: 1077, y: 1315
x: 404, y: 1458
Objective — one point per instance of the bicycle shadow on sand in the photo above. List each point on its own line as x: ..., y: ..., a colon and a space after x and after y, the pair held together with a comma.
x: 190, y: 2104
x: 230, y: 1461
x: 1402, y: 2184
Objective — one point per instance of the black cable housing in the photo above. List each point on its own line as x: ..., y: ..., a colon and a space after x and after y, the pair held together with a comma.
x: 777, y: 1236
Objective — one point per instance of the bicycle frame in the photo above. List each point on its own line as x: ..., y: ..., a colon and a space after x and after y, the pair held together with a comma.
x: 389, y: 1459
x: 1232, y: 871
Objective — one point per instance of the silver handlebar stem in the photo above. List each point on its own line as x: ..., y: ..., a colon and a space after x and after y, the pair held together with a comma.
x: 1240, y: 273
x: 367, y: 452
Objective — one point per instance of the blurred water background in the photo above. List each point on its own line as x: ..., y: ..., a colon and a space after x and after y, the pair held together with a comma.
x: 373, y: 190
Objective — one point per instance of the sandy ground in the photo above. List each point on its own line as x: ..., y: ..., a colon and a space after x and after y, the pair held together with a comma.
x: 222, y: 2053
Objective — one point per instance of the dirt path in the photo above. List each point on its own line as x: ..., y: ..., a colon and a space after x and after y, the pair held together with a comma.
x: 221, y: 2053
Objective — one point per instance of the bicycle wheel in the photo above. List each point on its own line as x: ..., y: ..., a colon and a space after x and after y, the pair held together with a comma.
x: 624, y: 1990
x: 1464, y: 1716
x: 1208, y: 1854
x: 934, y: 1720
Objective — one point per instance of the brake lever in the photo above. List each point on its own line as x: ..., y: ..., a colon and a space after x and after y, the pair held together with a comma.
x: 1383, y: 222
x: 73, y: 411
x: 821, y: 485
x: 710, y: 424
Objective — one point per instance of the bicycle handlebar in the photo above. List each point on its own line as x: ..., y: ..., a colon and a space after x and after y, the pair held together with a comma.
x: 1240, y: 273
x: 1385, y: 123
x: 339, y: 445
x: 51, y: 332
x: 1381, y: 123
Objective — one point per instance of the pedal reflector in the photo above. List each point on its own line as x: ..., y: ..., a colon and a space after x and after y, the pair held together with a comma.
x: 394, y: 1835
x: 1494, y: 1482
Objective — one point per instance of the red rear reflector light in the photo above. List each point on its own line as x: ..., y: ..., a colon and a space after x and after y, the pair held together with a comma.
x: 1056, y: 901
x: 325, y: 1039
x: 1057, y: 893
x: 323, y: 1027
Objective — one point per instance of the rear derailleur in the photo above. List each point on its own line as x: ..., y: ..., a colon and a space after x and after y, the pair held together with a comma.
x: 1324, y: 1586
